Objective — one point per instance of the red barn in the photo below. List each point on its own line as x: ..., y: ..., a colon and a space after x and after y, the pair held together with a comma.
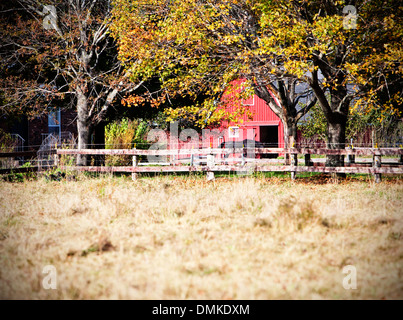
x: 264, y: 126
x: 258, y: 123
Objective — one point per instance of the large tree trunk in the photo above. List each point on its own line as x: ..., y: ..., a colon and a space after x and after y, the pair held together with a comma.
x: 290, y: 137
x: 336, y: 111
x: 97, y: 134
x: 336, y: 126
x: 336, y: 132
x: 83, y: 126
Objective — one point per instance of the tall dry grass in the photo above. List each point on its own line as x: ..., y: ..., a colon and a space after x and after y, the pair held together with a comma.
x: 184, y: 238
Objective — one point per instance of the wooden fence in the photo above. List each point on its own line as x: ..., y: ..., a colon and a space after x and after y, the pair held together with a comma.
x: 20, y: 155
x: 28, y: 154
x: 217, y: 160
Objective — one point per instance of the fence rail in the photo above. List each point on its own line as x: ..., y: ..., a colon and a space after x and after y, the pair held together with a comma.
x: 207, y: 151
x: 229, y: 168
x: 212, y: 163
x: 15, y: 161
x: 15, y: 154
x: 19, y: 170
x: 211, y: 160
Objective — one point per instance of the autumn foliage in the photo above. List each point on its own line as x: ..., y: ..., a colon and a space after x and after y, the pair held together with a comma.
x: 194, y: 46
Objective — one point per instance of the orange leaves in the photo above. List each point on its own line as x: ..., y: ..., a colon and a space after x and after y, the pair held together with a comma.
x: 53, y: 64
x: 133, y: 100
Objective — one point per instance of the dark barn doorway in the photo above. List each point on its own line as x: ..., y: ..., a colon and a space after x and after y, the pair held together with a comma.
x: 269, y: 138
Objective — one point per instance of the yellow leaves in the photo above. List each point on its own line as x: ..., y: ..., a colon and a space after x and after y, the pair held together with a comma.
x: 297, y: 67
x: 196, y: 115
x: 340, y: 2
x: 197, y: 48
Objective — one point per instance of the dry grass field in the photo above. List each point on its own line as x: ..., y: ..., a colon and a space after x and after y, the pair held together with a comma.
x: 175, y: 237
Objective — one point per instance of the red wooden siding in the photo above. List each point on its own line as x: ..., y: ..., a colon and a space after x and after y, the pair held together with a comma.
x: 249, y: 128
x: 262, y: 116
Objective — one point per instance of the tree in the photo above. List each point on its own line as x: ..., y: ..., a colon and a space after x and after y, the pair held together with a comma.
x: 61, y: 50
x: 195, y: 46
x: 352, y: 58
x: 315, y: 125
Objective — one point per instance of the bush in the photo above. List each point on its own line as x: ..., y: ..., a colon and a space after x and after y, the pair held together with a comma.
x: 125, y: 134
x: 20, y: 176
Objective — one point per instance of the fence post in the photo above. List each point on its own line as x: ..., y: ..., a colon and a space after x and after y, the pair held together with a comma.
x: 134, y: 174
x: 294, y: 162
x: 39, y: 157
x: 351, y: 157
x: 56, y: 159
x: 401, y: 157
x: 243, y: 155
x: 293, y: 158
x: 210, y: 164
x: 192, y: 158
x: 377, y: 164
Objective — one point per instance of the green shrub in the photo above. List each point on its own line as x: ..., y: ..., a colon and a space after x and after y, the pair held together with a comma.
x: 7, y: 143
x: 125, y: 134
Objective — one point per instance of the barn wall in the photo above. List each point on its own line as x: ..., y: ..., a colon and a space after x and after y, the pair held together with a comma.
x: 262, y: 115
